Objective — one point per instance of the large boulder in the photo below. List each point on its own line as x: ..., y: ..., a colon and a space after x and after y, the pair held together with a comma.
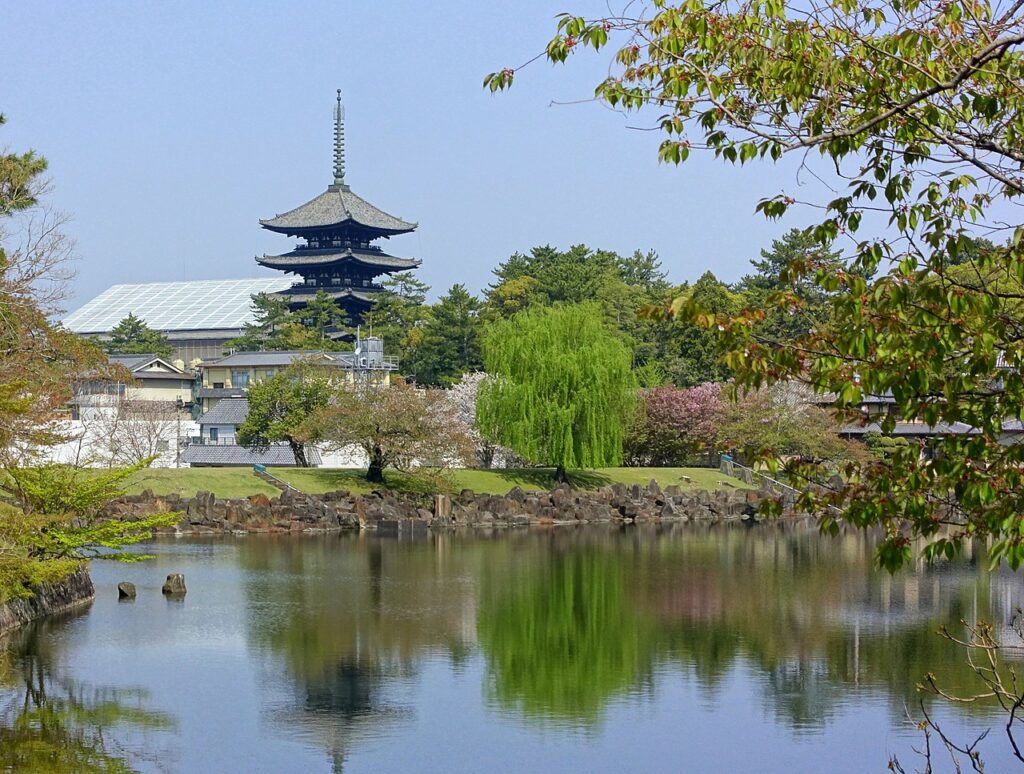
x: 562, y: 497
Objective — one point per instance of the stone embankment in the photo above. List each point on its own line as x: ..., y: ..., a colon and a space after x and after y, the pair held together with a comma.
x: 391, y: 511
x: 73, y: 591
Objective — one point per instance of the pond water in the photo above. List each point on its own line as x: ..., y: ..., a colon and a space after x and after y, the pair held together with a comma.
x: 689, y: 648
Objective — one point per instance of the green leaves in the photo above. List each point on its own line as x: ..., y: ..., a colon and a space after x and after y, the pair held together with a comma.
x: 132, y: 336
x: 19, y: 180
x: 562, y: 392
x: 59, y: 523
x: 893, y: 552
x: 915, y: 110
x: 278, y: 407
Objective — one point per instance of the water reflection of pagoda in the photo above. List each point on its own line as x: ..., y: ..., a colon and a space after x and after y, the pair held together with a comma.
x: 338, y: 256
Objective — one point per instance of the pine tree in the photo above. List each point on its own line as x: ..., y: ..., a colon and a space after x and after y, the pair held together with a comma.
x: 451, y: 339
x: 19, y: 180
x: 272, y: 322
x: 688, y: 353
x: 562, y: 392
x: 132, y: 336
x: 572, y: 276
x: 767, y: 288
x: 398, y: 316
x: 322, y: 316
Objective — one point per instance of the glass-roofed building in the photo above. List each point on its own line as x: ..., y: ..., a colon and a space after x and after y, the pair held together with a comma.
x: 337, y: 255
x: 197, y: 317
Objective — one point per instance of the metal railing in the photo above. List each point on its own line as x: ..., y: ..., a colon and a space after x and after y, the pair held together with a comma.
x: 729, y: 467
x: 262, y: 472
x: 197, y: 440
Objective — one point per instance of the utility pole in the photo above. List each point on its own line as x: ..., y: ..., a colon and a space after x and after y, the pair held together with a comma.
x: 179, y: 406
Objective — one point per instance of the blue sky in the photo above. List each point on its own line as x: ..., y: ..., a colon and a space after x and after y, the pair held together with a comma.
x: 171, y: 128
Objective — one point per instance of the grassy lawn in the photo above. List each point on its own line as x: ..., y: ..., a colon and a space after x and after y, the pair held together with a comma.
x: 223, y: 482
x: 241, y: 482
x: 319, y: 480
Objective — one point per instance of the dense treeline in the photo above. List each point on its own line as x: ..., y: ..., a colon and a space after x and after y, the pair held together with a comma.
x: 562, y: 337
x: 439, y: 342
x: 681, y: 412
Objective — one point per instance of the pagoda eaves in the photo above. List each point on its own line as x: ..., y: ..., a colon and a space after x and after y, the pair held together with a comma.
x: 368, y: 258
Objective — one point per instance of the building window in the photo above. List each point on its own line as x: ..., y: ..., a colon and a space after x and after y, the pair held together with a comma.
x: 335, y: 280
x: 239, y: 377
x: 213, y: 433
x: 218, y: 385
x: 269, y: 373
x: 163, y: 445
x: 310, y: 281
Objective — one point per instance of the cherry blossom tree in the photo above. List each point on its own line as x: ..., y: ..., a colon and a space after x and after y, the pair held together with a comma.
x: 673, y: 425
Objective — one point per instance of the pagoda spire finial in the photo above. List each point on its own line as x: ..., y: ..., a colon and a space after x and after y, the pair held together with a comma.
x: 339, y: 142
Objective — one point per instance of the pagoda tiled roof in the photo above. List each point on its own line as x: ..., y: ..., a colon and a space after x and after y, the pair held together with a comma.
x: 335, y: 206
x: 327, y: 256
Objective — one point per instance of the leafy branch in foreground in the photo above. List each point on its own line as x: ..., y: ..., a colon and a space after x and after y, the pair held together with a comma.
x: 50, y: 518
x: 914, y: 112
x: 54, y: 521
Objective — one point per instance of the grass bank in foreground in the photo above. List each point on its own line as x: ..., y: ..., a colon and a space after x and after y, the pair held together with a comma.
x: 241, y: 482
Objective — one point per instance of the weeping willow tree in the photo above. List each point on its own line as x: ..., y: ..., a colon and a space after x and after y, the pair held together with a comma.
x: 561, y: 391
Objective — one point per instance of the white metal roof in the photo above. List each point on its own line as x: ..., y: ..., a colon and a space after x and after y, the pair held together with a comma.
x: 175, y: 306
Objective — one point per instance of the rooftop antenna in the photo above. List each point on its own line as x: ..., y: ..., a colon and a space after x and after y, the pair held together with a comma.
x: 339, y: 142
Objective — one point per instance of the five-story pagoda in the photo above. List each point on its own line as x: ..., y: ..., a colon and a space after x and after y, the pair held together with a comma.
x: 338, y: 256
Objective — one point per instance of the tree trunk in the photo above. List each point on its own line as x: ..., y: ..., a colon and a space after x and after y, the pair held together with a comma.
x: 375, y: 473
x: 299, y: 450
x: 486, y: 455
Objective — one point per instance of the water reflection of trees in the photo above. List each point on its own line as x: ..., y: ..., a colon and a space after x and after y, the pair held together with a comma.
x: 582, y: 618
x: 51, y: 723
x: 571, y: 620
x: 562, y: 634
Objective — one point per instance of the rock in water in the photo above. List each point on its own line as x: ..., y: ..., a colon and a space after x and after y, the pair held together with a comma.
x: 126, y: 590
x: 175, y: 584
